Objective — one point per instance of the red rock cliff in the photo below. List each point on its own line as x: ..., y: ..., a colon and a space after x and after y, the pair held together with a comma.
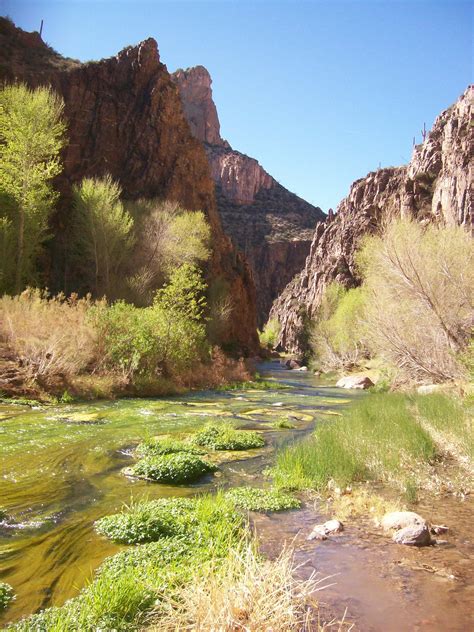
x: 436, y: 186
x: 125, y: 117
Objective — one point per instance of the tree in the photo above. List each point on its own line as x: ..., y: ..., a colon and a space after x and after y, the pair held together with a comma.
x: 102, y: 229
x: 31, y: 137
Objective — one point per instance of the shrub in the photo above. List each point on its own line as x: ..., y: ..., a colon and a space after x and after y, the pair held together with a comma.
x: 172, y: 468
x: 254, y: 499
x: 51, y: 335
x: 147, y: 521
x: 155, y: 447
x: 269, y: 336
x: 420, y: 298
x: 6, y: 595
x: 225, y: 437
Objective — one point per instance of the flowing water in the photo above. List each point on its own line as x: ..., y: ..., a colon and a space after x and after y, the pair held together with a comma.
x: 61, y: 470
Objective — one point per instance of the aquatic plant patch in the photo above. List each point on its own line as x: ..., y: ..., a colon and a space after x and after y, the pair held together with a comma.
x: 254, y: 499
x: 171, y: 468
x: 156, y: 447
x: 6, y: 595
x: 226, y: 437
x: 283, y: 424
x: 147, y: 521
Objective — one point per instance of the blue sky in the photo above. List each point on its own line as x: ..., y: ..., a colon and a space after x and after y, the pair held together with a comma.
x: 320, y: 92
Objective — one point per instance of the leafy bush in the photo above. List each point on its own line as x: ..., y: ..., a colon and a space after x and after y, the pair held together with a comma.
x: 269, y: 335
x: 147, y: 521
x: 6, y: 595
x: 172, y: 468
x: 225, y: 437
x: 254, y: 499
x: 156, y: 447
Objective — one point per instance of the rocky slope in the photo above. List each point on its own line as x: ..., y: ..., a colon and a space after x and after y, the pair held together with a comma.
x: 272, y: 226
x: 125, y: 117
x: 435, y: 186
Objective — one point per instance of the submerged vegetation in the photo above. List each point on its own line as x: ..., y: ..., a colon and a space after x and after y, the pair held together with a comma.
x: 6, y: 595
x: 254, y: 499
x: 155, y: 447
x: 224, y: 436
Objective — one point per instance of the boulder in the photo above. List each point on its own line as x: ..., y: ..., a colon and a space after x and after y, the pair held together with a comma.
x: 302, y: 368
x: 401, y: 520
x: 427, y: 389
x: 355, y: 381
x: 416, y: 535
x: 292, y: 364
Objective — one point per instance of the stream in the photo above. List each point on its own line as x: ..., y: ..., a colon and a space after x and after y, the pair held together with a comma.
x: 61, y: 470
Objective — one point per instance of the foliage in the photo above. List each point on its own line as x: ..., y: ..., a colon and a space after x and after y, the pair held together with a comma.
x: 31, y: 137
x: 337, y: 333
x: 167, y: 236
x: 6, y: 595
x: 102, y: 231
x: 51, y: 335
x: 156, y: 447
x: 378, y: 437
x: 224, y: 436
x: 283, y: 424
x: 269, y: 336
x: 419, y: 298
x: 172, y: 468
x: 254, y: 499
x: 147, y: 521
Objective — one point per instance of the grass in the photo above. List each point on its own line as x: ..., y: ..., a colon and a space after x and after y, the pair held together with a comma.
x: 283, y: 424
x: 377, y: 438
x: 254, y: 499
x: 174, y: 468
x: 224, y: 436
x: 154, y: 446
x: 6, y: 595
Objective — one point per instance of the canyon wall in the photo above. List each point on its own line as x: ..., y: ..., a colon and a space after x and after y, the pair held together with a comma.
x: 436, y: 186
x: 124, y: 117
x: 269, y: 224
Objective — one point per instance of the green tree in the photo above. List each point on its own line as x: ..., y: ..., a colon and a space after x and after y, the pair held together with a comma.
x: 31, y: 137
x: 102, y: 230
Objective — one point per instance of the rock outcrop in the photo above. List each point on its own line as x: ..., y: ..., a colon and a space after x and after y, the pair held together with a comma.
x: 436, y: 186
x: 125, y: 117
x: 270, y: 225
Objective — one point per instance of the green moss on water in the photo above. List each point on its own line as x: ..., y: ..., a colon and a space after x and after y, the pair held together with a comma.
x: 6, y: 595
x: 171, y: 468
x: 224, y: 436
x: 254, y: 499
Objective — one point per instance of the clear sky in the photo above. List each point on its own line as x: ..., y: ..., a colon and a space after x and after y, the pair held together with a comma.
x: 320, y: 92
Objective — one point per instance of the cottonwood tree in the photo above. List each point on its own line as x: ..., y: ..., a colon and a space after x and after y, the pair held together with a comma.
x: 31, y: 137
x: 102, y: 230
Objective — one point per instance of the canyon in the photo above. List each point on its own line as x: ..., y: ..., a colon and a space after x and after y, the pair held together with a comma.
x: 436, y: 186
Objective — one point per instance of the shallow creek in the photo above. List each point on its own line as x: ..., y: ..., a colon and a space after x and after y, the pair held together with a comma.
x: 60, y: 471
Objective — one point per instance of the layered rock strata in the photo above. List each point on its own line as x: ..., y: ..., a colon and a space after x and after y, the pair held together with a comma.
x: 270, y: 225
x: 124, y: 117
x: 436, y: 186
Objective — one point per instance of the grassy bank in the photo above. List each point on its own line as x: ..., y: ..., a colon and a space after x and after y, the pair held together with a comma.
x: 393, y: 438
x: 187, y: 560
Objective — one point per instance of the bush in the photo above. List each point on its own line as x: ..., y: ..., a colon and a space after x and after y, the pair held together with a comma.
x: 172, y: 468
x: 6, y: 595
x: 157, y: 447
x: 147, y: 521
x: 420, y: 298
x: 225, y: 437
x: 254, y: 499
x: 269, y: 336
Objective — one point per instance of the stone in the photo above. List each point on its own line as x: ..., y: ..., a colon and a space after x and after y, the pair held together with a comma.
x: 321, y: 531
x: 434, y: 187
x: 415, y: 535
x: 438, y: 529
x: 401, y: 519
x: 427, y: 389
x: 302, y: 368
x: 355, y: 381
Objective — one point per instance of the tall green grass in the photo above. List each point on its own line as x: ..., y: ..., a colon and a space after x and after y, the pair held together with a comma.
x: 377, y: 438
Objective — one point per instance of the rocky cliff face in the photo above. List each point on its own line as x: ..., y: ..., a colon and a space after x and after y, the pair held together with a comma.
x: 436, y: 186
x: 125, y: 117
x: 272, y: 226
